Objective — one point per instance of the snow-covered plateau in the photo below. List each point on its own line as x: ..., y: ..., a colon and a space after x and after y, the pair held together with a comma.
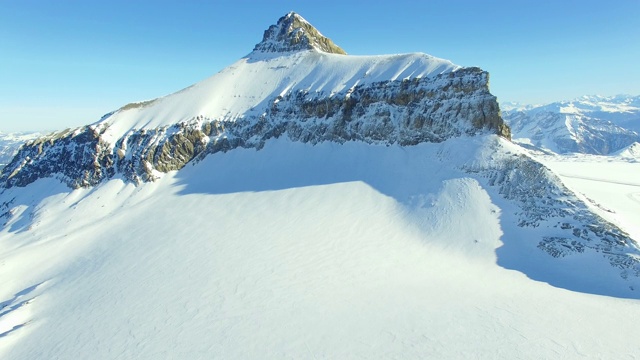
x: 304, y: 203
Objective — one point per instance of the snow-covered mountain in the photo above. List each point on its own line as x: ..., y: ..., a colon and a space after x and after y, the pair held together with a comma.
x: 589, y: 124
x: 305, y: 203
x: 296, y: 89
x: 11, y: 142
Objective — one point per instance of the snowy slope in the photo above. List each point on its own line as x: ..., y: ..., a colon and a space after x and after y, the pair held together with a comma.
x: 301, y: 251
x: 589, y: 124
x: 249, y: 86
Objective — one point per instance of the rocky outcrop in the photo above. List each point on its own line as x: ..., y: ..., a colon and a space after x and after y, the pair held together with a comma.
x: 544, y: 201
x: 77, y: 157
x: 293, y: 33
x: 405, y: 112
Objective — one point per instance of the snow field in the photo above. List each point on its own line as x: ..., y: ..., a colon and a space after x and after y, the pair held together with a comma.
x: 610, y: 184
x: 293, y: 251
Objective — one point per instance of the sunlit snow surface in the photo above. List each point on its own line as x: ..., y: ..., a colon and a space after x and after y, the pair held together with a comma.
x: 609, y: 184
x: 248, y: 86
x: 298, y: 251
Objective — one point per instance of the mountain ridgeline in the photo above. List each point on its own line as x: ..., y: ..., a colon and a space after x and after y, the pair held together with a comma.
x: 11, y: 142
x: 589, y: 125
x: 296, y: 84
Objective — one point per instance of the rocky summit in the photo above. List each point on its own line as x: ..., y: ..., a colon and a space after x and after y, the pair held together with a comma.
x: 293, y: 33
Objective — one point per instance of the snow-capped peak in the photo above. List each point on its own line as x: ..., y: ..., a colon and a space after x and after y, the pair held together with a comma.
x: 306, y: 90
x: 293, y: 33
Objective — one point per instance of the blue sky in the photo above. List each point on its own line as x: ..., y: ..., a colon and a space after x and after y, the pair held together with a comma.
x: 66, y: 63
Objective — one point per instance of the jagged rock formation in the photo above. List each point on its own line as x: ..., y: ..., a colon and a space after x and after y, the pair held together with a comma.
x: 77, y: 157
x: 293, y: 33
x: 434, y: 102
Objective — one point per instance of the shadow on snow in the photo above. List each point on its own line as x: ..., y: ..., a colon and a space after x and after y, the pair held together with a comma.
x: 401, y: 173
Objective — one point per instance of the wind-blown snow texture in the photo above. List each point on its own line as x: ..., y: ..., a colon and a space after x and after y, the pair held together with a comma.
x: 590, y: 124
x: 326, y: 206
x: 302, y: 251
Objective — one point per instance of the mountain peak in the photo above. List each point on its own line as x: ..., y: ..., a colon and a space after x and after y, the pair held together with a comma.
x: 293, y: 33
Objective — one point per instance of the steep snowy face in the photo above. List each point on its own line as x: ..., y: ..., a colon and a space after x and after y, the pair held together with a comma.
x: 294, y: 33
x: 589, y: 124
x: 294, y: 84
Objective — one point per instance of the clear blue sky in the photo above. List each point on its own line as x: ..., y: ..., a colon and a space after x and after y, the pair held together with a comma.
x: 66, y: 63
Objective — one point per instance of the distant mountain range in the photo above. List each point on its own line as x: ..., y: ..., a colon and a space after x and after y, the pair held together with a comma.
x: 589, y: 124
x: 11, y: 142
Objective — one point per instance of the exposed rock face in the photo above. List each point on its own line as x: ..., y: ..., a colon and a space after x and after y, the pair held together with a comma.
x: 545, y: 202
x: 293, y: 33
x: 77, y: 157
x: 395, y: 112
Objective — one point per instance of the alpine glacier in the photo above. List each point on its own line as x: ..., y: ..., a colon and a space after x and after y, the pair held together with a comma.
x: 305, y: 203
